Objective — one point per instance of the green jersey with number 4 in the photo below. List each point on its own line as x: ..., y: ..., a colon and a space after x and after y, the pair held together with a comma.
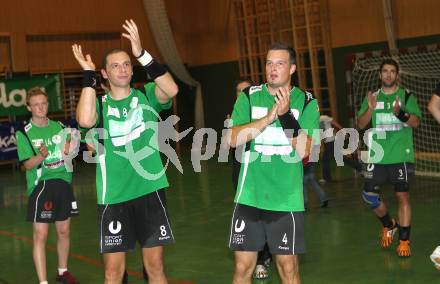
x: 271, y: 174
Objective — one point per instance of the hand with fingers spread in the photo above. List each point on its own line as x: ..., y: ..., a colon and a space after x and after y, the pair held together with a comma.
x: 133, y: 35
x: 372, y: 100
x: 282, y: 99
x: 85, y: 61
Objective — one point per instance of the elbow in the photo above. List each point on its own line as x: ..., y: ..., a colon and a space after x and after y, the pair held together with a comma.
x: 416, y: 123
x: 174, y: 90
x: 84, y: 122
x: 232, y: 144
x: 230, y: 140
x: 360, y: 125
x: 27, y: 165
x: 431, y: 107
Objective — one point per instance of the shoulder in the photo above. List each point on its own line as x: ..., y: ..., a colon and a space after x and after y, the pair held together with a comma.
x: 252, y: 90
x: 308, y: 97
x: 27, y: 126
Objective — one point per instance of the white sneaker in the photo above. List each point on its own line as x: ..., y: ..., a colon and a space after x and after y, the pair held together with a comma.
x: 435, y: 257
x: 261, y: 272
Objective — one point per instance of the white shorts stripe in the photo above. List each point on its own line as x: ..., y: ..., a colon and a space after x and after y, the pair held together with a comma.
x: 102, y: 229
x: 36, y: 201
x: 293, y: 236
x: 165, y: 213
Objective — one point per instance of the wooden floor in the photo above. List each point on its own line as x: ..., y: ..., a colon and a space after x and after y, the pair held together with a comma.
x: 341, y: 241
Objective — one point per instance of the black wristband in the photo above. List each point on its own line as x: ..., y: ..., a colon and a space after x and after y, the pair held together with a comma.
x: 142, y: 53
x: 289, y: 123
x: 155, y: 69
x: 403, y: 116
x: 89, y: 79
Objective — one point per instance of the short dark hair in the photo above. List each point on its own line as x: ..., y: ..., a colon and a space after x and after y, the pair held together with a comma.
x: 389, y: 61
x: 110, y: 52
x: 244, y: 79
x: 286, y: 47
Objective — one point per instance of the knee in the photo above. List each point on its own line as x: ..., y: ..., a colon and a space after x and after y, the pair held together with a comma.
x: 40, y: 236
x: 288, y: 269
x: 403, y: 198
x: 243, y: 269
x: 114, y: 273
x: 154, y: 269
x: 63, y: 233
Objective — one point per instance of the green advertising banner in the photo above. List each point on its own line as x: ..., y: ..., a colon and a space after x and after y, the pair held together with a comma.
x: 13, y: 94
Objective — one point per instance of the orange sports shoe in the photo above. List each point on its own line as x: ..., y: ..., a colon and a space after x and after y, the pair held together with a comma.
x: 404, y: 248
x: 387, y: 235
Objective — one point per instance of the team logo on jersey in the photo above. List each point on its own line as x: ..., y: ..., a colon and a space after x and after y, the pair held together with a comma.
x: 37, y: 142
x: 113, y: 111
x: 114, y: 230
x: 56, y: 139
x: 237, y: 228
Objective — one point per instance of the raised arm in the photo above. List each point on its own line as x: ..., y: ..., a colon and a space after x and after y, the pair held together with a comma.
x: 86, y: 108
x: 166, y: 87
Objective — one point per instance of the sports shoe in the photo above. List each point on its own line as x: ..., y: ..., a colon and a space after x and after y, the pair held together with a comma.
x: 66, y: 278
x: 261, y: 272
x: 435, y: 257
x: 387, y: 235
x: 404, y: 248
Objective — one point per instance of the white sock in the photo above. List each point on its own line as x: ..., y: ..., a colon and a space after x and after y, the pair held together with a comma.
x: 44, y: 282
x: 61, y: 271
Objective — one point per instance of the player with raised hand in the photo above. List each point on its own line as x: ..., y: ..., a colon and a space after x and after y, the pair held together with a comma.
x: 131, y: 206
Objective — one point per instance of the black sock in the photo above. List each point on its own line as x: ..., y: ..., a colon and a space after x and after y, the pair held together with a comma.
x: 404, y: 233
x: 386, y: 221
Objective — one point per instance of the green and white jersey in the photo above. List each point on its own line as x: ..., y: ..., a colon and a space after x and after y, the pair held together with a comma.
x: 131, y: 165
x: 53, y: 166
x: 398, y: 144
x: 271, y: 174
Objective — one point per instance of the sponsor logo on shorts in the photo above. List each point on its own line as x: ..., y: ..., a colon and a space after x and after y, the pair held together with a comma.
x: 285, y: 241
x: 163, y: 233
x: 113, y: 240
x: 48, y: 205
x: 238, y: 238
x: 283, y: 248
x: 46, y: 213
x: 114, y: 230
x: 237, y: 228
